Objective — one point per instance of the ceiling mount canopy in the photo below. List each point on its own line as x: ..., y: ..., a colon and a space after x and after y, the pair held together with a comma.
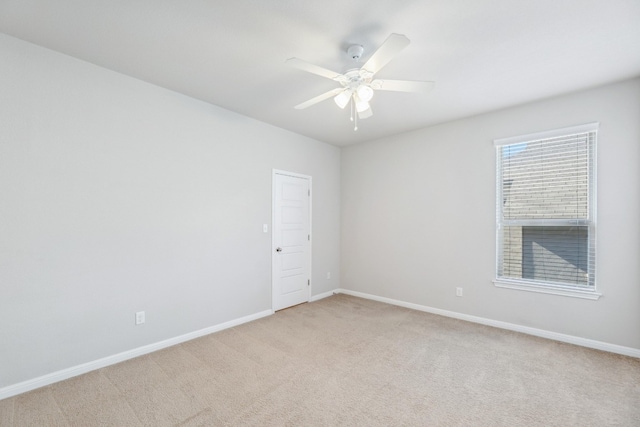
x: 358, y: 83
x: 355, y: 51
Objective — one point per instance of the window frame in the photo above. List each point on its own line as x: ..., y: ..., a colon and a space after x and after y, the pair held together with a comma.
x: 540, y: 286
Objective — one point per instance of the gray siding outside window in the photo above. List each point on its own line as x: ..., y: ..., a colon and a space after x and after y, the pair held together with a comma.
x: 555, y: 254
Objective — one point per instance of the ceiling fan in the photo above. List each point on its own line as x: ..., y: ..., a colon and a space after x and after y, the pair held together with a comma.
x: 358, y: 83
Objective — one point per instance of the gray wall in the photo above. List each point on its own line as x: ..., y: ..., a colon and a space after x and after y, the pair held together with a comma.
x: 418, y: 217
x: 118, y: 196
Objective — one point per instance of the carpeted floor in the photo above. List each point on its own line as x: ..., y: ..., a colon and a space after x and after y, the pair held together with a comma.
x: 348, y: 361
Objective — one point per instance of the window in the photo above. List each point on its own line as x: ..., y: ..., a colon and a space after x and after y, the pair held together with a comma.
x: 545, y: 210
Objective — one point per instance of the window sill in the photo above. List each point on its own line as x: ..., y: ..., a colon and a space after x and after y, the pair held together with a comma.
x: 547, y: 289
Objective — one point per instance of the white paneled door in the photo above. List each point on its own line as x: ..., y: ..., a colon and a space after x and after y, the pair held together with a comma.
x: 291, y: 239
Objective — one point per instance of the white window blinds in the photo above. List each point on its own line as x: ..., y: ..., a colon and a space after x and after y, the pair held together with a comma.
x: 546, y: 208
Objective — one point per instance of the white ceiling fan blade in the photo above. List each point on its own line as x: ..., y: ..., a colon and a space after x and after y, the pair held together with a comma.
x: 402, y: 85
x: 385, y: 53
x: 312, y: 68
x: 366, y: 113
x: 319, y: 98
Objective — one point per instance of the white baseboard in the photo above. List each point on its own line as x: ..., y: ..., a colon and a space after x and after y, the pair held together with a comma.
x: 584, y: 342
x: 64, y: 374
x: 322, y: 296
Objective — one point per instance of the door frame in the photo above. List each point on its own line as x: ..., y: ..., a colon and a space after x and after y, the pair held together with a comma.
x: 273, y: 234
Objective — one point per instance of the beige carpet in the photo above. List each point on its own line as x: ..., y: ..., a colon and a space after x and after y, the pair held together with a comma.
x: 348, y: 361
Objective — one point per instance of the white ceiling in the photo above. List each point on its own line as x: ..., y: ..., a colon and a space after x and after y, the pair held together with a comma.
x: 483, y: 54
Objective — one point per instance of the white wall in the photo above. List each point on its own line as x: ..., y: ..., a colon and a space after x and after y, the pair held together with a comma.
x: 418, y: 217
x: 118, y: 196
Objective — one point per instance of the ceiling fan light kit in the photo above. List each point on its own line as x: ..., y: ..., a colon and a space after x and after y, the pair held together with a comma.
x: 358, y: 84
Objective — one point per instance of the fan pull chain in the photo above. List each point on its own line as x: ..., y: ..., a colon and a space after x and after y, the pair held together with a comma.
x: 351, y: 107
x: 354, y: 116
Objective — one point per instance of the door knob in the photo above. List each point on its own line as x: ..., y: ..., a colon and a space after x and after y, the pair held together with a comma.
x: 278, y: 249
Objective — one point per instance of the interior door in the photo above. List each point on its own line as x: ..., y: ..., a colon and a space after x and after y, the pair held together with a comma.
x: 291, y: 256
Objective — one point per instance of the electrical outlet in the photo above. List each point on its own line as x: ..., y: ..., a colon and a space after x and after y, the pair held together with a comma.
x: 328, y: 275
x: 139, y: 317
x: 458, y: 292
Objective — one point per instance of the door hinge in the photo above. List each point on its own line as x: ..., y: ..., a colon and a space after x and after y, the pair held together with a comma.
x: 309, y: 237
x: 308, y: 282
x: 309, y: 192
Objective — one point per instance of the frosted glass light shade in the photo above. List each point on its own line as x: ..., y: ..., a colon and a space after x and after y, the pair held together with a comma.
x: 342, y: 99
x: 364, y: 92
x: 361, y: 105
